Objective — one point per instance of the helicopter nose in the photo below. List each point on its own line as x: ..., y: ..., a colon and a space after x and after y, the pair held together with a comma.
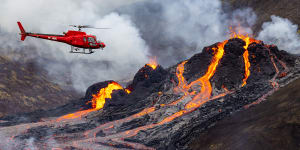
x: 102, y: 45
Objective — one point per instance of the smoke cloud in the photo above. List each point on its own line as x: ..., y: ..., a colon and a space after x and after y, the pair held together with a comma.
x: 281, y: 32
x: 175, y: 30
x: 125, y: 53
x: 171, y: 30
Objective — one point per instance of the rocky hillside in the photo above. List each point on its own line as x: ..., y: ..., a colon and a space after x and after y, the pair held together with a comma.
x: 25, y: 88
x: 274, y: 124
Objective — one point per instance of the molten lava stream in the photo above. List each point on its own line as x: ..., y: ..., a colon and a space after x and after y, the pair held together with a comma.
x: 247, y: 66
x: 98, y: 101
x: 248, y: 41
x: 205, y: 95
x: 182, y: 86
x: 206, y: 88
x: 92, y: 133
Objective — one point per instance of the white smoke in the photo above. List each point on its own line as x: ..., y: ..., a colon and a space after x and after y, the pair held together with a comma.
x: 195, y: 21
x: 281, y: 32
x: 177, y: 29
x: 125, y: 52
x: 242, y: 21
x: 171, y: 30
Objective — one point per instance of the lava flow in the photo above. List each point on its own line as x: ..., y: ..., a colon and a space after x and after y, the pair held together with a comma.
x: 248, y: 41
x: 98, y: 101
x: 206, y: 88
x: 197, y: 101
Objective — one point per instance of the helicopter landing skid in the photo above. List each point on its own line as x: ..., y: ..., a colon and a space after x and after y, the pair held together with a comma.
x: 80, y: 52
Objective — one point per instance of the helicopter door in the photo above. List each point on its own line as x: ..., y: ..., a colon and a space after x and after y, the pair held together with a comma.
x: 84, y: 39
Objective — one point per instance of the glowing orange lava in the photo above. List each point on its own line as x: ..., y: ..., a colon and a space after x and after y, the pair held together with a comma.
x: 182, y: 84
x: 152, y: 63
x: 248, y: 41
x: 98, y: 101
x: 75, y: 115
x: 199, y: 98
x: 192, y: 105
x: 206, y: 88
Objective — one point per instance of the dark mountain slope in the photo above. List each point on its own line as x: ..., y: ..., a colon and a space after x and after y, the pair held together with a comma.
x: 274, y: 124
x: 25, y: 88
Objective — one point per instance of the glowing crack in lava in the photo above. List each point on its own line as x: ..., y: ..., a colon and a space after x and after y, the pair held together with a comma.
x: 98, y: 101
x: 248, y: 41
x: 272, y: 81
x: 152, y: 63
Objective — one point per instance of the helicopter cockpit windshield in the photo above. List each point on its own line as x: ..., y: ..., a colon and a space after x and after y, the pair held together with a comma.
x: 92, y: 41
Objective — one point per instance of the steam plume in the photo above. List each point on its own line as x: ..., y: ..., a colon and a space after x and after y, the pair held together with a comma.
x: 281, y: 32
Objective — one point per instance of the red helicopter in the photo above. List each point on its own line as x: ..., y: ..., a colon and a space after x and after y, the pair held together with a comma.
x: 77, y: 39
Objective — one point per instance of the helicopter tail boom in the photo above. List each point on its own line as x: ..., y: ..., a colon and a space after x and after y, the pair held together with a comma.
x: 23, y: 32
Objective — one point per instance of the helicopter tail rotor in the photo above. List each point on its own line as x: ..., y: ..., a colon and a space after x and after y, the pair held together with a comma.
x: 23, y: 32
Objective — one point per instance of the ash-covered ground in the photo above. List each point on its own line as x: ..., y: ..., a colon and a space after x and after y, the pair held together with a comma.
x: 166, y: 108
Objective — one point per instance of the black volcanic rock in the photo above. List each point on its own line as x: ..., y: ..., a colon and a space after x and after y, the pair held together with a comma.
x: 235, y: 46
x: 197, y: 64
x: 283, y: 55
x: 147, y: 77
x: 117, y: 99
x: 262, y: 67
x: 147, y: 81
x: 231, y: 69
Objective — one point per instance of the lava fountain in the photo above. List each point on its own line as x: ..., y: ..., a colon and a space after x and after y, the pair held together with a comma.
x: 152, y: 63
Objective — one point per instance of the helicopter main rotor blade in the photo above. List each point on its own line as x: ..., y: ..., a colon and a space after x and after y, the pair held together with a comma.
x: 101, y: 28
x: 86, y: 26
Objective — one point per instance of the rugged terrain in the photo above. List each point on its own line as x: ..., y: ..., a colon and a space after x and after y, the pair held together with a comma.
x: 24, y: 87
x: 274, y: 124
x: 161, y: 108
